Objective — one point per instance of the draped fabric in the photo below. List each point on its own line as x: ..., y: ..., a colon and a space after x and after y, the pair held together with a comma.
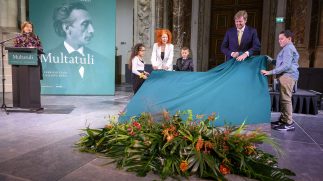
x: 235, y: 91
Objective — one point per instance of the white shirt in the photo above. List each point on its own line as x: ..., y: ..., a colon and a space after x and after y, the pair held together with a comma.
x: 156, y: 59
x: 137, y: 65
x: 70, y: 49
x: 242, y: 30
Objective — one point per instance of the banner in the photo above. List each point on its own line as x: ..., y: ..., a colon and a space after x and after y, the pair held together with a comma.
x: 78, y: 38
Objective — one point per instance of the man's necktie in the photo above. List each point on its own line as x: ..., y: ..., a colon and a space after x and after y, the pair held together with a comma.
x: 239, y: 36
x: 81, y: 70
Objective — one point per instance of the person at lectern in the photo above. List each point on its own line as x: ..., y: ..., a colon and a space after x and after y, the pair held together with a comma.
x: 28, y: 39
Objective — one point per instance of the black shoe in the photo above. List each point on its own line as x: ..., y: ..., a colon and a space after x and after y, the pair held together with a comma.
x: 276, y: 123
x: 285, y: 127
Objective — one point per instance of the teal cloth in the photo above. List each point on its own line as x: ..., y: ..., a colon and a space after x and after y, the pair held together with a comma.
x: 235, y: 91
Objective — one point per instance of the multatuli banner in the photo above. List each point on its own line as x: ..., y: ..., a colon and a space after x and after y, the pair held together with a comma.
x: 78, y: 38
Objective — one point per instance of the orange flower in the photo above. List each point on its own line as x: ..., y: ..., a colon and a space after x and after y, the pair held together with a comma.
x: 226, y: 132
x: 109, y: 126
x: 211, y: 117
x: 224, y: 169
x: 199, y: 144
x: 166, y: 115
x: 249, y: 150
x: 199, y: 116
x: 166, y: 132
x: 137, y: 125
x: 169, y: 138
x: 208, y: 144
x: 183, y: 166
x: 172, y: 128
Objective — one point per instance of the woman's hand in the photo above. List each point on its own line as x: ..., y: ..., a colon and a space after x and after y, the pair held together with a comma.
x: 165, y: 67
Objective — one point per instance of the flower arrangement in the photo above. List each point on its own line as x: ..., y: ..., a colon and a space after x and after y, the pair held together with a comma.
x: 143, y: 75
x: 182, y: 145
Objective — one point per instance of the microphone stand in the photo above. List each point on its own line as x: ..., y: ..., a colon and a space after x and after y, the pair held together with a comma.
x: 4, y: 106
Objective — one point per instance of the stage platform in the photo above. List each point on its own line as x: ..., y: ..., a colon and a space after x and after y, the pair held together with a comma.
x: 304, y: 101
x: 40, y: 145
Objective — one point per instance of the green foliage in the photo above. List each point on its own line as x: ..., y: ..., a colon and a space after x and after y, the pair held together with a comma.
x: 173, y: 147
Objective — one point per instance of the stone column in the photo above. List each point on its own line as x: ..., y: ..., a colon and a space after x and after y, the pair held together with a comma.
x: 144, y: 19
x: 159, y: 13
x: 194, y: 32
x: 178, y: 22
x: 301, y: 27
x: 8, y: 28
x: 203, y: 42
x: 181, y: 29
x: 319, y: 50
x: 8, y: 14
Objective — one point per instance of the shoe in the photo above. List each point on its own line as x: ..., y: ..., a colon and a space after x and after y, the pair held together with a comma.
x: 285, y: 127
x: 276, y: 123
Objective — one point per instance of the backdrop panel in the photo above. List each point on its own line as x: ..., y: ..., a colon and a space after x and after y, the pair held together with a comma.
x: 88, y: 26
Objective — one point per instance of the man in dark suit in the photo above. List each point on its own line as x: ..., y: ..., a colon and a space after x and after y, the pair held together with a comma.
x: 72, y: 67
x: 241, y: 41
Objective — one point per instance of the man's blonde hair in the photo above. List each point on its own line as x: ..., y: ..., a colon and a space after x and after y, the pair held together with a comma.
x: 241, y: 13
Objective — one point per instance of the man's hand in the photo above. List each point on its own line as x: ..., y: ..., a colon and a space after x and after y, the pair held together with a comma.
x: 155, y: 67
x: 264, y: 72
x: 242, y: 57
x: 234, y: 54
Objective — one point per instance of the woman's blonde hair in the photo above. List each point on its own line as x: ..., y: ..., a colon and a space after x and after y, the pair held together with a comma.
x: 24, y: 24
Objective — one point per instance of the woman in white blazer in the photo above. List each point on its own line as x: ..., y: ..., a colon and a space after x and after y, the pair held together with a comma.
x: 163, y: 51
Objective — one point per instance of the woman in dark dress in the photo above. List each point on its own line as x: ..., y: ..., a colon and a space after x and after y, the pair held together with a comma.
x: 27, y: 39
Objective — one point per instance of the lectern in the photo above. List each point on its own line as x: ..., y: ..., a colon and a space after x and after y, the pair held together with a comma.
x: 25, y: 77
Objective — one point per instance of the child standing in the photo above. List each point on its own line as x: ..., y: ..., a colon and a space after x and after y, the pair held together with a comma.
x: 184, y: 63
x: 287, y: 73
x: 137, y: 66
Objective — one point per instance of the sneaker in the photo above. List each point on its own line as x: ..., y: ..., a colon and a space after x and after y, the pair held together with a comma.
x: 285, y: 127
x: 276, y: 123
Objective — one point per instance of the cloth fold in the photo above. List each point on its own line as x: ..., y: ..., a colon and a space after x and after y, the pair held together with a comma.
x: 235, y: 91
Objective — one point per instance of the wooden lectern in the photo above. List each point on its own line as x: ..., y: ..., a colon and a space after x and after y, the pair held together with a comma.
x: 25, y: 77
